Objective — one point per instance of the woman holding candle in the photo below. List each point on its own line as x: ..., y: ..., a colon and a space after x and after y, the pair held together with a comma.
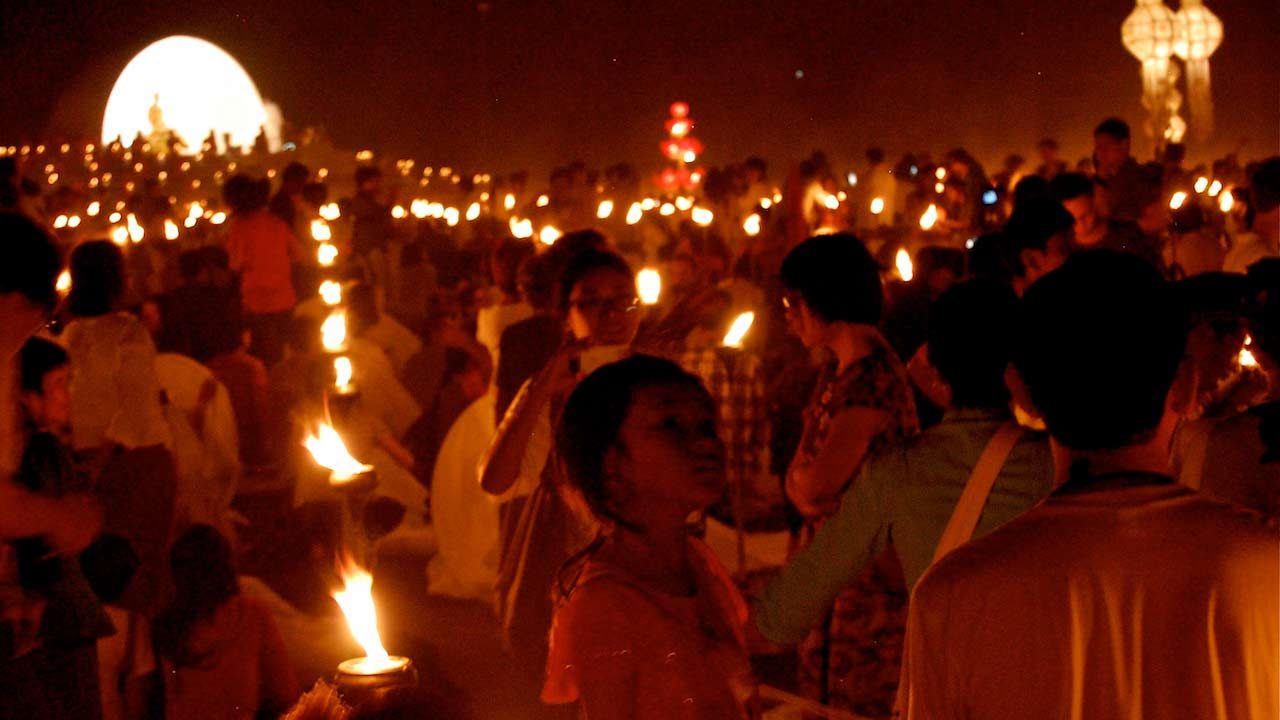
x: 862, y: 403
x: 651, y: 626
x: 598, y: 302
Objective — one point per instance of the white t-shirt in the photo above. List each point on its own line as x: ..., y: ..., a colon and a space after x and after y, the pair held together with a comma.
x: 1142, y: 602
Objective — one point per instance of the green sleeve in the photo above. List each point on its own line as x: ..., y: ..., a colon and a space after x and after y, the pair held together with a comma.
x: 809, y: 584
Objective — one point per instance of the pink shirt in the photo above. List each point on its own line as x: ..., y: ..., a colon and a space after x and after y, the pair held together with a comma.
x: 261, y: 247
x: 680, y: 657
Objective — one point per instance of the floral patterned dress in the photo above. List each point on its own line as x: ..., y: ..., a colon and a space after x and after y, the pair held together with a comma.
x: 852, y: 660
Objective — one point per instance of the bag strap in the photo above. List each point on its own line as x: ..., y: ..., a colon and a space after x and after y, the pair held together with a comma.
x: 964, y: 519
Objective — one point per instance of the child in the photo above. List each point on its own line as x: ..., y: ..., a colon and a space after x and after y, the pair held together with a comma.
x: 652, y: 627
x: 222, y: 654
x: 126, y: 661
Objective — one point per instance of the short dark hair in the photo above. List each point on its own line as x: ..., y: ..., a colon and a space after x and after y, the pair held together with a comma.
x: 1264, y: 316
x: 875, y: 155
x: 109, y: 565
x: 585, y: 264
x: 295, y: 172
x: 1070, y: 185
x: 757, y: 164
x: 1034, y: 223
x: 593, y: 417
x: 38, y: 358
x: 204, y: 579
x: 971, y: 339
x: 1113, y: 127
x: 837, y: 278
x: 1099, y: 344
x: 244, y: 193
x: 31, y: 263
x: 365, y: 173
x: 97, y: 278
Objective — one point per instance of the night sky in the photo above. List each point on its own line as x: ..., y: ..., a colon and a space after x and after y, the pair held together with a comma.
x: 530, y: 84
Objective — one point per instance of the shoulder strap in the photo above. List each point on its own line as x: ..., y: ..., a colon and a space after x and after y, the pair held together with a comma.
x: 964, y: 519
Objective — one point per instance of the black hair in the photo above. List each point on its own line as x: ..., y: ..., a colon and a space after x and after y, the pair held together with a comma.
x: 1265, y: 185
x: 593, y: 417
x: 585, y: 264
x: 509, y: 253
x: 204, y: 579
x: 536, y: 282
x: 875, y: 155
x: 109, y: 565
x: 837, y: 277
x: 971, y: 340
x: 190, y: 263
x: 245, y: 194
x: 1031, y: 190
x: 31, y: 263
x: 757, y: 164
x: 1113, y: 127
x: 1070, y: 185
x: 97, y: 278
x: 365, y: 173
x: 1099, y: 344
x: 38, y: 358
x: 1032, y: 225
x: 295, y: 172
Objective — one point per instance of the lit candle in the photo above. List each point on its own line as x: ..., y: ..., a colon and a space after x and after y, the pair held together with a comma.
x: 94, y: 208
x: 831, y: 202
x: 877, y: 206
x: 356, y: 600
x: 1226, y: 201
x: 649, y: 286
x: 218, y: 218
x: 543, y: 201
x: 605, y: 209
x: 333, y: 331
x: 549, y: 235
x: 522, y: 229
x: 1246, y: 358
x: 63, y: 284
x: 473, y: 212
x: 702, y: 216
x: 509, y: 202
x: 342, y: 372
x: 1178, y: 200
x: 634, y: 213
x: 1215, y: 188
x: 738, y: 330
x: 752, y: 224
x: 330, y: 452
x: 929, y: 218
x: 902, y: 261
x: 326, y: 255
x: 320, y: 230
x: 1202, y: 183
x: 331, y: 292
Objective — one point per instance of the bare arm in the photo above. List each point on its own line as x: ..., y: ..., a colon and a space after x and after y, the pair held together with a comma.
x: 815, y: 487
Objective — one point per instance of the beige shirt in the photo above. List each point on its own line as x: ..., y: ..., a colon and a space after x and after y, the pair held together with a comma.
x: 115, y: 392
x: 1133, y: 602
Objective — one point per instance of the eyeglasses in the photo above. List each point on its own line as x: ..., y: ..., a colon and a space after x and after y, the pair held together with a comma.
x: 618, y: 304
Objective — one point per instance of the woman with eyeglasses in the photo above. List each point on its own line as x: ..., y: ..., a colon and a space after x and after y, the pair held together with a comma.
x: 862, y: 403
x: 597, y: 300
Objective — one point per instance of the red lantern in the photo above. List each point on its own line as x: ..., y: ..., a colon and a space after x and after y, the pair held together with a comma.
x: 679, y: 127
x: 672, y: 149
x: 679, y: 109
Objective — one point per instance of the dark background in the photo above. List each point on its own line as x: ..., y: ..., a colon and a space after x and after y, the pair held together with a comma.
x: 505, y: 84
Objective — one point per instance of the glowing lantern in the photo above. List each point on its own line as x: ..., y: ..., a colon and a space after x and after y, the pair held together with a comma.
x: 604, y: 210
x: 333, y: 331
x: 473, y: 212
x: 752, y: 225
x: 509, y: 201
x: 634, y: 213
x: 399, y: 213
x: 1226, y: 201
x: 73, y: 221
x: 120, y: 235
x: 330, y: 212
x: 329, y: 452
x: 766, y: 203
x: 331, y: 292
x: 702, y: 216
x: 902, y: 261
x: 938, y: 188
x: 342, y: 372
x: 418, y: 208
x: 63, y: 285
x: 940, y: 173
x: 136, y: 233
x: 1197, y: 33
x: 1176, y: 202
x: 877, y: 206
x: 684, y: 204
x: 326, y: 255
x: 170, y: 230
x: 738, y: 330
x: 164, y: 91
x: 649, y: 286
x: 218, y: 218
x: 929, y: 219
x: 667, y: 210
x: 1148, y: 34
x: 549, y: 235
x: 831, y: 202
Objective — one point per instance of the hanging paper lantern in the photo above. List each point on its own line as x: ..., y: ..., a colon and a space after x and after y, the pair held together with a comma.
x: 1148, y: 35
x: 1197, y: 34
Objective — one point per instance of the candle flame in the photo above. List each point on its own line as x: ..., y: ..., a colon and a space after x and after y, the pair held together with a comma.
x: 452, y: 216
x: 634, y: 213
x: 1247, y: 359
x: 120, y: 235
x: 522, y: 229
x: 1215, y: 188
x: 73, y: 221
x: 940, y: 173
x: 218, y: 218
x: 702, y: 216
x: 170, y: 230
x: 1226, y: 201
x: 399, y: 213
x: 930, y: 218
x: 60, y: 222
x: 136, y: 233
x: 752, y: 224
x: 94, y: 208
x: 939, y: 188
x: 356, y: 601
x: 549, y: 235
x: 329, y: 452
x: 543, y: 201
x: 509, y: 202
x: 738, y: 330
x: 831, y: 202
x: 330, y: 211
x: 419, y: 208
x: 649, y: 286
x: 63, y: 285
x: 326, y: 254
x: 605, y: 209
x: 342, y: 372
x: 1202, y: 183
x: 473, y: 212
x: 333, y: 331
x: 331, y: 292
x: 877, y: 206
x: 902, y: 260
x: 1178, y: 200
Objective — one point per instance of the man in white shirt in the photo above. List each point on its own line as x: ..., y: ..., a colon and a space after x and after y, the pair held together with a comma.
x: 1124, y: 594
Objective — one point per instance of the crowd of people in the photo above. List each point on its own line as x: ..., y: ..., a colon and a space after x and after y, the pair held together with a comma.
x: 999, y: 445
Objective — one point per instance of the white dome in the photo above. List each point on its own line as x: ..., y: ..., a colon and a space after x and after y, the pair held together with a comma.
x: 197, y: 87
